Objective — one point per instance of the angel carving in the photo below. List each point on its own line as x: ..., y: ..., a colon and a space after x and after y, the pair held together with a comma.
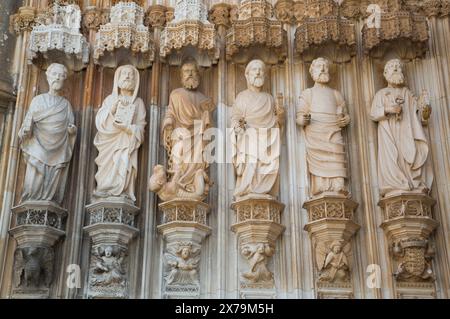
x: 332, y: 261
x: 182, y: 261
x: 33, y: 267
x: 108, y: 266
x: 257, y: 256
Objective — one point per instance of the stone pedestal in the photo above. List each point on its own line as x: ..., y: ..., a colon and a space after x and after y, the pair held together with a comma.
x: 183, y: 229
x: 331, y: 227
x: 38, y: 226
x: 258, y: 225
x: 408, y: 225
x: 111, y: 228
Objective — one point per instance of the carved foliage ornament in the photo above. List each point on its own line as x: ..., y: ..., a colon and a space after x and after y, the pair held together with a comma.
x: 22, y: 21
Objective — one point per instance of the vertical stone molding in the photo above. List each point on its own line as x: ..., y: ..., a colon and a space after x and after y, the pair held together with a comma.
x: 258, y: 226
x: 331, y: 227
x: 112, y: 225
x: 56, y: 37
x: 184, y: 228
x: 38, y: 227
x: 408, y: 225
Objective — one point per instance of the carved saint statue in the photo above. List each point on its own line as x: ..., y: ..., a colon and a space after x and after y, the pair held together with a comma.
x: 333, y: 263
x: 257, y: 122
x: 33, y: 267
x: 183, y: 262
x: 47, y: 138
x: 323, y: 115
x: 258, y: 255
x: 403, y: 148
x: 108, y: 267
x: 120, y: 123
x: 188, y: 116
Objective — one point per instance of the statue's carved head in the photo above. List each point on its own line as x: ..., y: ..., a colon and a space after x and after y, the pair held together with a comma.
x: 320, y: 70
x: 56, y: 75
x: 127, y: 78
x: 255, y: 73
x: 393, y: 72
x: 190, y: 74
x: 336, y: 246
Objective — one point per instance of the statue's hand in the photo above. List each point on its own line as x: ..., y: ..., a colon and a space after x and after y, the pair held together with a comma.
x: 72, y: 129
x: 394, y: 109
x: 123, y: 127
x: 303, y: 119
x: 344, y: 120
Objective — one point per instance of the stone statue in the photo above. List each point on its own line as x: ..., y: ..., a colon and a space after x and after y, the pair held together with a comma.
x: 403, y: 148
x: 183, y: 261
x: 322, y: 113
x: 257, y: 122
x: 108, y: 267
x: 33, y: 267
x: 47, y: 139
x: 333, y: 263
x: 187, y: 118
x: 120, y: 123
x: 258, y: 256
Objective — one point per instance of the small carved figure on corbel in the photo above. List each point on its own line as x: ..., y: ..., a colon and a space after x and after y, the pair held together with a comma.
x: 182, y: 261
x: 33, y: 267
x: 108, y: 266
x: 333, y: 262
x: 258, y: 256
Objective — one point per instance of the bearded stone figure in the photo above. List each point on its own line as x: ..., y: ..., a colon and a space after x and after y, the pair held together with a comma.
x: 257, y: 122
x: 323, y: 114
x: 120, y: 123
x: 188, y: 117
x: 403, y: 148
x: 47, y: 138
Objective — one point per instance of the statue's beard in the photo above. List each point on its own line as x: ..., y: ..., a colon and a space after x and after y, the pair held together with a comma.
x: 257, y: 81
x: 191, y: 83
x: 396, y: 78
x: 126, y: 85
x: 322, y: 78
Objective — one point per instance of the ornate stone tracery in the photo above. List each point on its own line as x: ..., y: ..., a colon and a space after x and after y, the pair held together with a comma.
x: 323, y: 24
x: 190, y: 29
x: 56, y: 37
x: 255, y: 32
x: 125, y: 30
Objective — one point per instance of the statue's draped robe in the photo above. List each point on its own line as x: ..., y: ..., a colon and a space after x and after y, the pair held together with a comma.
x: 117, y: 159
x: 48, y: 150
x: 190, y: 112
x: 256, y: 174
x: 402, y: 145
x: 325, y: 147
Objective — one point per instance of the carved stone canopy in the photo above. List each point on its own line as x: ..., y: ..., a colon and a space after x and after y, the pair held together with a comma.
x: 125, y: 39
x: 57, y: 38
x: 256, y: 33
x: 190, y: 31
x: 323, y: 28
x: 392, y: 25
